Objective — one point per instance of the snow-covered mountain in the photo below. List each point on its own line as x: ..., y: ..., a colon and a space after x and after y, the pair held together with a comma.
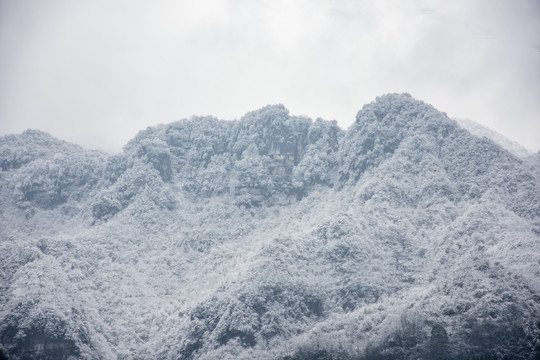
x: 272, y: 237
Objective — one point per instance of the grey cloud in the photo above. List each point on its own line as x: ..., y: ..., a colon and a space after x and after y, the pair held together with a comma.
x: 97, y: 72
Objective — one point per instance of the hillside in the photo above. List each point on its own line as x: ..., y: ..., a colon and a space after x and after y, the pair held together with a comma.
x: 272, y: 237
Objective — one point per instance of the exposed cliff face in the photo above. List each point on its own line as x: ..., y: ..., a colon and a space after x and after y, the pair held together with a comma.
x: 273, y: 235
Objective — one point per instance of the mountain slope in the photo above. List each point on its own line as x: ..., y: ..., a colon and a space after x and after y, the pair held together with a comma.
x: 482, y: 131
x: 272, y: 236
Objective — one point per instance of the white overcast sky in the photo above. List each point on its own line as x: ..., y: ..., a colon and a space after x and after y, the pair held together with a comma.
x: 95, y: 72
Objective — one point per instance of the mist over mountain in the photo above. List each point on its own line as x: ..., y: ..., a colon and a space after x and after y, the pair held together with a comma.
x: 482, y: 131
x: 272, y: 237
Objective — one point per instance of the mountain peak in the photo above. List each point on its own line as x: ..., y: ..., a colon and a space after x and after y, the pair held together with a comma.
x: 269, y: 111
x: 391, y: 107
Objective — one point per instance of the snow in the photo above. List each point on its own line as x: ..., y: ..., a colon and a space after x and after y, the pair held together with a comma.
x: 269, y: 235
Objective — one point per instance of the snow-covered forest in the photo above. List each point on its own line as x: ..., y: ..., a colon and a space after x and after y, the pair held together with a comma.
x: 272, y: 237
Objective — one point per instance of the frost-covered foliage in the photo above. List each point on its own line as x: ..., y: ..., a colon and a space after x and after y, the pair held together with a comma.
x: 272, y: 237
x: 397, y: 123
x: 139, y: 178
x: 320, y: 162
x: 256, y: 160
x: 49, y: 171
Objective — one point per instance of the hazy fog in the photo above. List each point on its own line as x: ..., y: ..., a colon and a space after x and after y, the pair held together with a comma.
x: 96, y: 72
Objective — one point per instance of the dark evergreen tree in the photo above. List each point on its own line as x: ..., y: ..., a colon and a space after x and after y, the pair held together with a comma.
x: 438, y: 343
x: 3, y: 356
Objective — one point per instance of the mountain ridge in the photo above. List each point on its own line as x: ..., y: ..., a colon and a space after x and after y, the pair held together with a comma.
x: 482, y: 131
x: 272, y: 236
